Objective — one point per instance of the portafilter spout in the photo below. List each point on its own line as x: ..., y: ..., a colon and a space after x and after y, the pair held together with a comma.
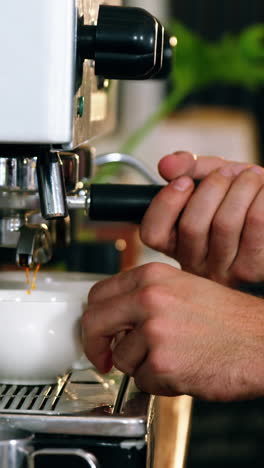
x: 34, y: 245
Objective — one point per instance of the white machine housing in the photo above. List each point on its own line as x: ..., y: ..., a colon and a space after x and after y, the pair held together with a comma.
x: 39, y: 98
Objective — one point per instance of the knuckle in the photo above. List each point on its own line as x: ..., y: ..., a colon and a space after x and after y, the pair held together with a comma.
x: 190, y: 231
x: 255, y: 220
x: 153, y: 297
x: 215, y: 179
x: 252, y: 175
x: 152, y: 331
x: 152, y: 239
x: 168, y: 196
x: 148, y: 296
x: 156, y: 364
x: 222, y: 226
x: 150, y: 271
x: 251, y: 248
x: 122, y: 363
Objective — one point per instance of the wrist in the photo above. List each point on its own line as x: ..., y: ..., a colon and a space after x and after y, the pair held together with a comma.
x: 252, y: 376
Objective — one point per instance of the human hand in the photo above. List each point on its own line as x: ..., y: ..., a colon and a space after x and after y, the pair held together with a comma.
x: 177, y: 334
x: 220, y: 225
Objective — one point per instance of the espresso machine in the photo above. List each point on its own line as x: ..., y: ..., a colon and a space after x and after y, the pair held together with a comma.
x: 60, y: 64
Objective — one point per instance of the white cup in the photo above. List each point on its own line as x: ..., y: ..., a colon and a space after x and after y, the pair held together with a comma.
x: 40, y: 333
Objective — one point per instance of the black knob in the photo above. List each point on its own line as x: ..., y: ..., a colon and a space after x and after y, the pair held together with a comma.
x: 127, y: 43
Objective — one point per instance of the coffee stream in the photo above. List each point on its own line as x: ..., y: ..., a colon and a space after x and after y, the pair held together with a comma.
x: 31, y: 284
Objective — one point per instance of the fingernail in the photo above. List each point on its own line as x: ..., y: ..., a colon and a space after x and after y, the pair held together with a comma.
x: 257, y: 170
x: 182, y: 184
x: 183, y: 152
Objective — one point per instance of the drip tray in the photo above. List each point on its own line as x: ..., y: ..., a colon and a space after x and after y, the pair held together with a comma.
x: 76, y: 392
x: 81, y: 403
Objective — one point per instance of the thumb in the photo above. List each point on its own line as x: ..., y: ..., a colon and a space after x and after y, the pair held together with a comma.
x: 185, y: 163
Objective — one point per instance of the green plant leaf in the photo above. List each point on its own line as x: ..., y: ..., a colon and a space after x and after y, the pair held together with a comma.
x: 198, y: 64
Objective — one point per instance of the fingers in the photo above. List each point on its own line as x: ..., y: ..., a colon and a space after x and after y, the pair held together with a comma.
x: 216, y: 229
x: 101, y: 355
x: 124, y: 313
x: 121, y: 283
x: 99, y: 328
x: 248, y: 264
x: 105, y: 320
x: 130, y: 352
x: 230, y: 219
x: 184, y: 163
x: 125, y: 283
x: 195, y: 224
x: 178, y: 164
x: 153, y: 383
x: 158, y: 226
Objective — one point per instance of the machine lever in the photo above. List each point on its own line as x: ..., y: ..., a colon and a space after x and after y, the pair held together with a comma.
x: 123, y: 203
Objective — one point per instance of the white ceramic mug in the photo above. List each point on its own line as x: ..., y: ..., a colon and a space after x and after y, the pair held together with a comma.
x: 40, y: 333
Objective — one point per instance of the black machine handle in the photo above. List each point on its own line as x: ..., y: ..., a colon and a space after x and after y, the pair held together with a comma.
x: 124, y: 203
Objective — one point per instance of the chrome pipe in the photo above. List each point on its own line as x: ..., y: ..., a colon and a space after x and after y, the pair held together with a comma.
x: 130, y: 161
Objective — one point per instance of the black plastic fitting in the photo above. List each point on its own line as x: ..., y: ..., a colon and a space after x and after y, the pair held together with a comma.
x: 124, y: 203
x: 127, y: 43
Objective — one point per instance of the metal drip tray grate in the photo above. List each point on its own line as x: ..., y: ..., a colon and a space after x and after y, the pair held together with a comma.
x: 32, y: 398
x: 76, y: 392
